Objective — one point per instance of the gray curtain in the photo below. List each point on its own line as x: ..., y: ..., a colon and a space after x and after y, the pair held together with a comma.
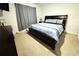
x: 31, y: 15
x: 25, y: 16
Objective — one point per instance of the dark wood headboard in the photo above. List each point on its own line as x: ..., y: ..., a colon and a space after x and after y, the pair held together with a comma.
x: 60, y: 17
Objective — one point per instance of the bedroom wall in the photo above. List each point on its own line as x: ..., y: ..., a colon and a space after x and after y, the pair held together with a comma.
x: 78, y: 36
x: 1, y: 16
x: 72, y: 10
x: 47, y: 9
x: 10, y: 17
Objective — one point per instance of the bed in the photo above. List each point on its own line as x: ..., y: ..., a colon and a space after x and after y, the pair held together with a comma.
x: 50, y: 31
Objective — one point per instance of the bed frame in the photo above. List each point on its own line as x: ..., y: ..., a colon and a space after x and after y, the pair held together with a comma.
x: 45, y: 38
x: 59, y: 17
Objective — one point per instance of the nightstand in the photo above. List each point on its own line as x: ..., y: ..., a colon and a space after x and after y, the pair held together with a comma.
x: 41, y: 21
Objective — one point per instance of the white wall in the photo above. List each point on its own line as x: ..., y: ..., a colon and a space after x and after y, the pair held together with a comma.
x: 78, y: 35
x: 10, y: 17
x: 72, y: 10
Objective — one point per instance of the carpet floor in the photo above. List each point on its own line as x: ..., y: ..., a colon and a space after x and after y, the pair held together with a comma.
x: 27, y: 46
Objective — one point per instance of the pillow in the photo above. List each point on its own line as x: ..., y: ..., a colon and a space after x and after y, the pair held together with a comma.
x: 51, y: 20
x: 59, y: 21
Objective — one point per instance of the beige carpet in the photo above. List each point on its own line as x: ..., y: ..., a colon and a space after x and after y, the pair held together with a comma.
x: 27, y: 46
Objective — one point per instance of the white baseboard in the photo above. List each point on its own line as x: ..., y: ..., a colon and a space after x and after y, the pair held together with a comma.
x: 71, y: 33
x: 78, y: 36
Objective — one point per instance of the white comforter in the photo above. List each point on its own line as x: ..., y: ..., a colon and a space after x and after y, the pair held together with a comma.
x: 52, y: 30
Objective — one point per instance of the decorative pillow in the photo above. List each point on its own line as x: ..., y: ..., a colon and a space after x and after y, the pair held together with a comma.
x: 59, y: 21
x: 51, y: 20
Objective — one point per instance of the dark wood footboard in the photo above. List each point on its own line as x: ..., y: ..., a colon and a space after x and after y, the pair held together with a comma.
x: 43, y: 37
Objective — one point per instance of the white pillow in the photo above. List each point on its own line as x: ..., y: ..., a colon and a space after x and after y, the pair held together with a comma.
x: 51, y: 20
x: 60, y: 21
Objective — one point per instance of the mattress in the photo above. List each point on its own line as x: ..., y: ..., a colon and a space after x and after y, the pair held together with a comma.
x: 52, y: 30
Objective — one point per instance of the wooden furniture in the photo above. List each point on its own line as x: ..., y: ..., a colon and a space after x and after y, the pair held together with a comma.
x: 44, y: 37
x: 41, y: 21
x: 7, y: 44
x: 58, y: 17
